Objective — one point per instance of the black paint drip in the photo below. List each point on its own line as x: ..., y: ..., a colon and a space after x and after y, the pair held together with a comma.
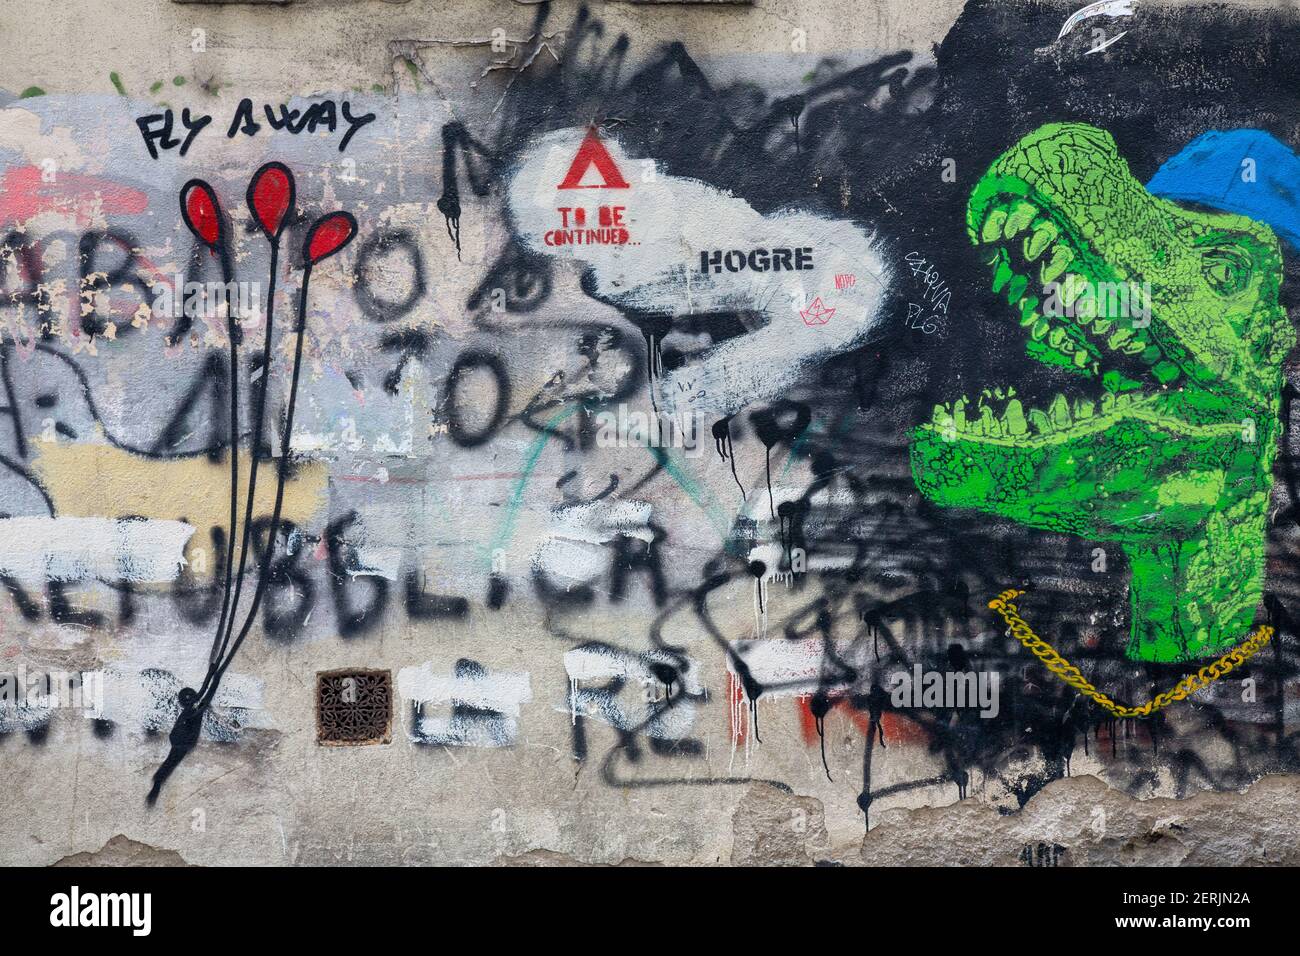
x: 753, y: 689
x: 783, y: 422
x: 666, y: 674
x: 820, y: 706
x: 758, y: 569
x: 449, y: 206
x: 875, y: 704
x: 726, y: 450
x: 785, y: 514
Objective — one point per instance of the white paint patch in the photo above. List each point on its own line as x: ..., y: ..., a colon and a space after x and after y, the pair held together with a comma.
x: 504, y: 692
x: 482, y: 708
x: 24, y: 716
x: 34, y: 550
x: 1101, y: 46
x: 38, y: 140
x: 377, y: 561
x: 1102, y: 8
x: 670, y: 221
x: 628, y: 693
x: 574, y: 548
x: 774, y: 558
x: 783, y: 668
x: 143, y: 699
x: 601, y: 521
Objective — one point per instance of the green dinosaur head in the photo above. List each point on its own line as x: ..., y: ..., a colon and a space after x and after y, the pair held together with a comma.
x: 1167, y: 319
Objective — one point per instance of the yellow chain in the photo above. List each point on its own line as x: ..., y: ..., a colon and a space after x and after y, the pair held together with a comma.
x: 1067, y: 672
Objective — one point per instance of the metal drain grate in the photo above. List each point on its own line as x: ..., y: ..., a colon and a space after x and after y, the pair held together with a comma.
x: 354, y: 707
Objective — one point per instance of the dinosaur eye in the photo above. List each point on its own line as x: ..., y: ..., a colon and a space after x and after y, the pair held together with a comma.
x: 1227, y: 270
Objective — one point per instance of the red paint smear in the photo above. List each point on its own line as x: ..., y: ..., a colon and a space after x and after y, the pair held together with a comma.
x: 25, y: 196
x: 896, y: 727
x: 328, y: 236
x: 807, y: 722
x: 201, y: 206
x: 271, y: 191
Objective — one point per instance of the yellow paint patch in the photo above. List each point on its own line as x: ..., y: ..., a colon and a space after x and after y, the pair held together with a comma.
x: 103, y: 481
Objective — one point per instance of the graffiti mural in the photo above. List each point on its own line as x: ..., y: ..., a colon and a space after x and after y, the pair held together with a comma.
x: 894, y: 427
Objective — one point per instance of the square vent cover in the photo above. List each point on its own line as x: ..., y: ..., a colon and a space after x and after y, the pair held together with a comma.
x: 354, y: 707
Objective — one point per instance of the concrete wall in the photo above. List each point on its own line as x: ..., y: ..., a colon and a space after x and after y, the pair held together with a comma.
x: 624, y: 443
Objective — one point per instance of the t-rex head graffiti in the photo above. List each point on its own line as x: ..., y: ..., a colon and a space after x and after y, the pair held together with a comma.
x: 1170, y: 320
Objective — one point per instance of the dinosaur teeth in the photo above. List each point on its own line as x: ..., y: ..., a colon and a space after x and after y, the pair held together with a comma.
x: 1013, y: 419
x: 1016, y: 288
x: 1061, y: 257
x: 1044, y: 232
x: 992, y: 230
x: 1028, y: 311
x: 1085, y: 310
x: 1002, y: 274
x: 987, y: 423
x: 1072, y: 287
x: 1020, y: 216
x: 942, y: 418
x: 1076, y: 321
x: 978, y: 419
x: 1059, y: 412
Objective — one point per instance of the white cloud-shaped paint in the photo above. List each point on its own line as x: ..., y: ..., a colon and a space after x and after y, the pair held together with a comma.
x: 670, y: 221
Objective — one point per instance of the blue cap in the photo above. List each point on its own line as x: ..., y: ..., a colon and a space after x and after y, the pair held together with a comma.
x: 1212, y: 170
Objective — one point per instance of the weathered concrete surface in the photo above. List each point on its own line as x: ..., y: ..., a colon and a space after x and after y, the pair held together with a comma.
x: 1094, y: 825
x: 1077, y: 821
x: 121, y: 851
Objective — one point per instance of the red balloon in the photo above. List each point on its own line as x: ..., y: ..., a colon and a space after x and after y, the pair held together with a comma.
x: 328, y: 235
x: 200, y: 211
x: 270, y: 196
